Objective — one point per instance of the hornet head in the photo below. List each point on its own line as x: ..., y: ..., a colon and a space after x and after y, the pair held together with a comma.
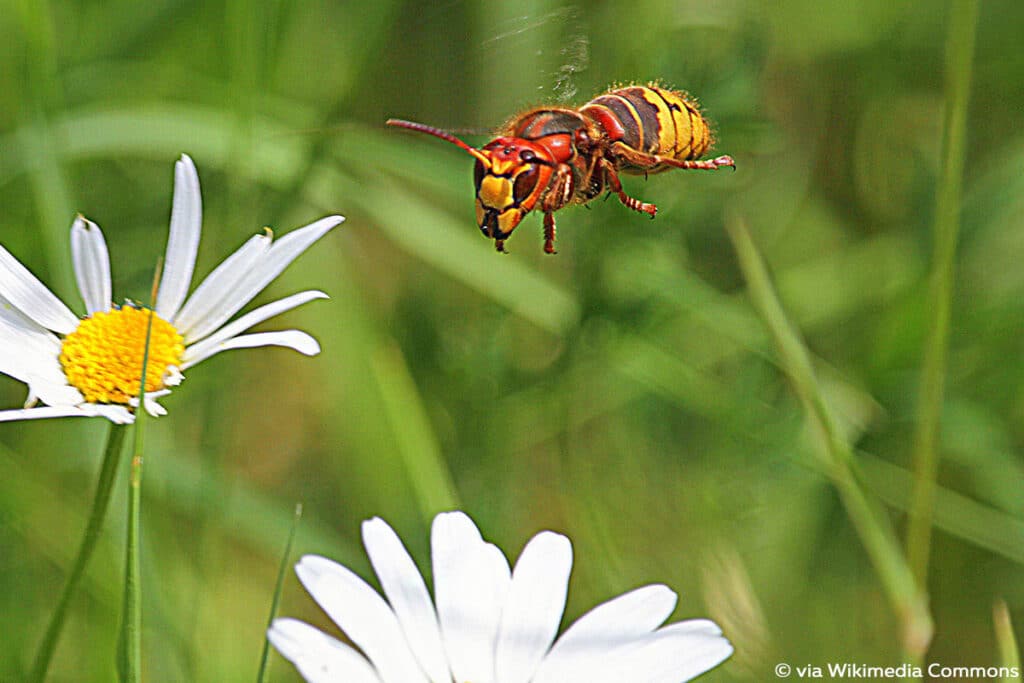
x: 510, y: 176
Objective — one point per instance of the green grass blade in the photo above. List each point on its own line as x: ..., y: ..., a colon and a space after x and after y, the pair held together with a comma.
x: 959, y: 54
x: 417, y: 445
x: 976, y: 523
x: 130, y: 643
x: 1009, y: 652
x: 38, y: 139
x: 282, y: 570
x: 835, y: 453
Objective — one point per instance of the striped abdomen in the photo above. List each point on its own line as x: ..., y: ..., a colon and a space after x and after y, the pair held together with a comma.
x: 653, y: 120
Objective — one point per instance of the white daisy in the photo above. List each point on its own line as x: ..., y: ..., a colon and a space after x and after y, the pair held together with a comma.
x: 490, y: 624
x: 92, y: 366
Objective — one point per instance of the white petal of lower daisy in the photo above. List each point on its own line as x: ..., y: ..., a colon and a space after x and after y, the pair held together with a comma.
x: 676, y: 653
x: 183, y: 240
x: 533, y: 610
x: 217, y: 288
x: 91, y: 260
x: 698, y: 627
x: 363, y: 615
x: 610, y: 624
x: 470, y: 586
x: 251, y: 318
x: 26, y: 293
x: 117, y: 414
x: 632, y: 614
x: 319, y: 657
x: 292, y: 339
x: 697, y: 651
x: 281, y: 253
x: 407, y: 593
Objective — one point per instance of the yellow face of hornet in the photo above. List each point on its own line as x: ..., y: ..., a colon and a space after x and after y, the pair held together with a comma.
x: 509, y: 185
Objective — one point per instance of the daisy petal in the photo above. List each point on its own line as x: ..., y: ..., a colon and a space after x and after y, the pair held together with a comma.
x: 25, y: 292
x: 628, y: 616
x: 25, y: 347
x: 57, y: 394
x: 152, y: 407
x: 17, y: 320
x: 183, y: 240
x: 40, y: 413
x: 29, y: 354
x: 292, y: 339
x: 92, y: 265
x: 406, y: 591
x: 363, y: 615
x: 703, y: 627
x: 613, y: 623
x: 217, y: 287
x: 280, y: 254
x: 30, y: 365
x: 319, y: 657
x: 67, y: 375
x: 497, y: 625
x: 174, y: 376
x: 533, y: 611
x: 676, y: 653
x: 470, y: 586
x: 117, y: 414
x: 249, y: 319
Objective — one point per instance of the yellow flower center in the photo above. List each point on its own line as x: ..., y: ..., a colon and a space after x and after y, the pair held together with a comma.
x: 102, y: 358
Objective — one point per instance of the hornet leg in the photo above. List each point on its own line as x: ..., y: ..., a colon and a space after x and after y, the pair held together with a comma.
x: 549, y: 233
x: 641, y: 160
x: 613, y: 180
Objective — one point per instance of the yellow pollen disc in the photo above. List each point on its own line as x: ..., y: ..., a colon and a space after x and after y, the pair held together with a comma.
x: 103, y: 357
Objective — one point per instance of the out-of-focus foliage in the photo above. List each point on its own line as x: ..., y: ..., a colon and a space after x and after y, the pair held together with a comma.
x: 623, y: 391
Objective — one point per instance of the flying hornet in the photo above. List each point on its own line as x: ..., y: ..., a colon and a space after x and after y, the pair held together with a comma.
x: 552, y: 157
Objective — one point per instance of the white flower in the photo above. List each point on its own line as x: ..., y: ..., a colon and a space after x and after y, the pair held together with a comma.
x: 491, y: 624
x: 92, y: 366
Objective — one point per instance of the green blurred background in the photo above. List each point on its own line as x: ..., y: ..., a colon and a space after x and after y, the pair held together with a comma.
x: 623, y: 392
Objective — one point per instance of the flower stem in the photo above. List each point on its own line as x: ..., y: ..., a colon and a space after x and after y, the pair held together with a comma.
x: 963, y: 20
x: 108, y: 472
